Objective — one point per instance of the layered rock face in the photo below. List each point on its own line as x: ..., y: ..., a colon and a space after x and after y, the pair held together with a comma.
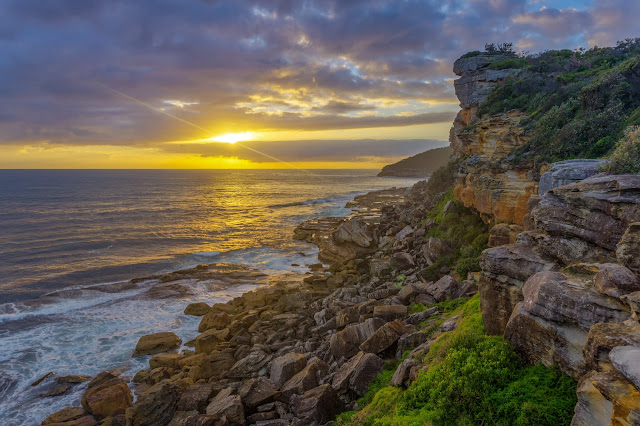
x: 486, y: 180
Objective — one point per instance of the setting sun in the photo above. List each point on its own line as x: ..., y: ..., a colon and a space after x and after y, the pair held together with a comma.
x: 234, y: 137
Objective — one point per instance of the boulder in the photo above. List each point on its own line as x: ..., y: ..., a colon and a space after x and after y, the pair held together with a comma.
x: 606, y: 398
x: 214, y: 320
x: 401, y: 261
x: 227, y: 408
x: 568, y: 172
x: 305, y: 379
x: 401, y: 375
x: 384, y: 337
x: 422, y: 316
x: 66, y: 415
x: 157, y: 343
x: 216, y: 365
x: 404, y: 233
x: 551, y: 324
x: 286, y: 366
x: 390, y: 312
x: 603, y: 337
x: 434, y: 248
x: 166, y: 360
x: 615, y: 280
x: 250, y: 365
x: 195, y: 398
x: 354, y: 231
x: 256, y: 392
x: 106, y: 396
x: 504, y: 271
x: 155, y: 406
x: 346, y: 343
x: 445, y: 288
x: 208, y: 342
x: 86, y: 420
x: 318, y: 405
x: 407, y: 294
x: 626, y: 359
x: 197, y: 309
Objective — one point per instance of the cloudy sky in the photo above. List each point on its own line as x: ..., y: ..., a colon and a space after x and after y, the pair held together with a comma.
x: 333, y: 83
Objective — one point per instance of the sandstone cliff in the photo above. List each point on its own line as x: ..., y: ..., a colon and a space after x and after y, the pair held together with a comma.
x: 560, y: 282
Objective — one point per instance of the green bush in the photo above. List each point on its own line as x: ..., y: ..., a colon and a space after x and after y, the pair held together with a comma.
x: 626, y: 157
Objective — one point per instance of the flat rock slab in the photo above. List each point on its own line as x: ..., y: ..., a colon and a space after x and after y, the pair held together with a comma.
x: 157, y: 343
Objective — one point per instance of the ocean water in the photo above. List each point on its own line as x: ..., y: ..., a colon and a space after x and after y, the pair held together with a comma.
x: 68, y: 239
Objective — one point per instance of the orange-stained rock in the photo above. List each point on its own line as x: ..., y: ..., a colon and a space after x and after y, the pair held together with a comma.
x: 107, y: 395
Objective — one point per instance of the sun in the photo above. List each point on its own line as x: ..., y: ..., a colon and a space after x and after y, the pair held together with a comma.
x: 233, y: 137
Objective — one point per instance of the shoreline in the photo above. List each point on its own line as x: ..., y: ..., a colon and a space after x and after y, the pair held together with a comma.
x: 127, y: 285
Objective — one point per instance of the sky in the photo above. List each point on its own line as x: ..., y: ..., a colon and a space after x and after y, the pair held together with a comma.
x: 295, y: 83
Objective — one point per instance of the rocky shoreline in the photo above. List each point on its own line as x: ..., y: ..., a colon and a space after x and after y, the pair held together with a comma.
x: 296, y: 351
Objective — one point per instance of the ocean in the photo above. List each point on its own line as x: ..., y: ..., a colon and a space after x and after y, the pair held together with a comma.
x: 70, y: 238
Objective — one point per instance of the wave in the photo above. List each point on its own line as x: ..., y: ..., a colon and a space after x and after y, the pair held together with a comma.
x: 313, y: 201
x: 212, y: 253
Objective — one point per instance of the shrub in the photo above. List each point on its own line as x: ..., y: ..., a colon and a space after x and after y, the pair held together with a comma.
x: 626, y: 156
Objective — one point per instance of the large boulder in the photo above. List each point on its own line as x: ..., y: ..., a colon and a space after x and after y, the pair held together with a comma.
x: 354, y: 231
x: 603, y: 337
x: 384, y: 337
x: 401, y: 375
x: 214, y: 366
x: 155, y: 406
x: 156, y: 343
x: 346, y: 343
x: 568, y: 172
x: 504, y: 271
x: 615, y: 280
x: 250, y: 365
x: 197, y: 309
x: 66, y: 415
x: 434, y: 248
x: 606, y: 398
x: 286, y: 366
x: 305, y: 379
x: 626, y: 359
x: 257, y: 392
x: 227, y: 408
x: 357, y: 373
x: 215, y: 320
x: 195, y: 398
x: 318, y: 405
x: 390, y: 312
x: 551, y: 324
x: 107, y: 395
x: 446, y: 288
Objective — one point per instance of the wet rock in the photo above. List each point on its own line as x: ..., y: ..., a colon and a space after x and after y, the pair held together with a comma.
x: 73, y: 379
x: 197, y: 309
x: 401, y: 376
x: 157, y: 343
x: 626, y: 359
x: 195, y: 397
x: 155, y: 406
x: 65, y: 415
x: 86, y: 420
x: 227, y: 408
x: 106, y: 395
x: 615, y: 280
x: 384, y: 337
x: 214, y: 320
x: 285, y: 367
x: 43, y: 378
x: 57, y: 391
x: 319, y: 405
x: 390, y: 312
x: 606, y: 398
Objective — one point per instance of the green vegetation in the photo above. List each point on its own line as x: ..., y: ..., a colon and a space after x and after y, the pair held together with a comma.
x: 626, y: 156
x: 464, y: 230
x: 579, y: 103
x: 472, y: 379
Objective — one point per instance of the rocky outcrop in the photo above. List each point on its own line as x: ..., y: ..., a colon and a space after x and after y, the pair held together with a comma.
x: 568, y: 172
x: 419, y: 165
x: 477, y: 79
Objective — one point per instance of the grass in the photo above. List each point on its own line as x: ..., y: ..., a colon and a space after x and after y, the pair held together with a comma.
x: 472, y: 379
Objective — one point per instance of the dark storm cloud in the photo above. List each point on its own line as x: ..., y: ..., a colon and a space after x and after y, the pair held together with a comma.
x: 261, y: 63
